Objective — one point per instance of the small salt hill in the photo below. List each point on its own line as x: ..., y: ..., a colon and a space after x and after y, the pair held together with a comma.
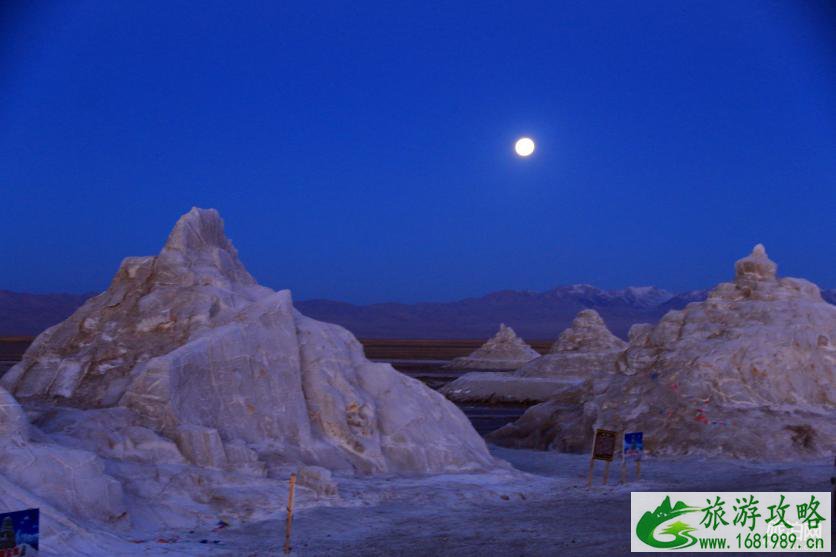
x: 582, y: 361
x: 585, y: 347
x: 747, y: 373
x: 504, y: 351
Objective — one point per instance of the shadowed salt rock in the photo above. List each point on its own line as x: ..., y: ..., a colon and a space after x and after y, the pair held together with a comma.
x: 748, y: 373
x: 504, y: 351
x: 58, y: 529
x: 318, y: 480
x: 12, y: 420
x: 231, y: 372
x: 71, y: 479
x: 111, y: 433
x: 203, y: 445
x: 582, y: 361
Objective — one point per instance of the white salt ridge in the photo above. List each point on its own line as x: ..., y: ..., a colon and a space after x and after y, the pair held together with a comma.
x: 747, y: 373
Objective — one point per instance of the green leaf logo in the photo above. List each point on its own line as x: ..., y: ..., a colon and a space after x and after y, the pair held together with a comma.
x: 680, y: 531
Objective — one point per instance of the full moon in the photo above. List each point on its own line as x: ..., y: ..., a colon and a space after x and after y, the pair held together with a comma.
x: 524, y: 146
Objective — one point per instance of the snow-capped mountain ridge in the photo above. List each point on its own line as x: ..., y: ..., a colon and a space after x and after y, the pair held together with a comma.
x: 534, y: 315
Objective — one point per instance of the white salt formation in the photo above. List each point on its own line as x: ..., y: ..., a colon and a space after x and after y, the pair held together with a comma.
x: 581, y: 362
x: 748, y: 373
x: 504, y: 351
x: 585, y: 347
x: 187, y: 357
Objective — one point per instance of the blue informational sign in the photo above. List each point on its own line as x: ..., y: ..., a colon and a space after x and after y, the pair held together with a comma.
x: 633, y: 446
x: 19, y: 532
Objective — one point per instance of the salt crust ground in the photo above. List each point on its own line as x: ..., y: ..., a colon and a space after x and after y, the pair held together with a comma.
x: 544, y: 510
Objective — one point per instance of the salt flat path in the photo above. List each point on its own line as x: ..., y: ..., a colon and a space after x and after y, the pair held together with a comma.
x: 547, y: 513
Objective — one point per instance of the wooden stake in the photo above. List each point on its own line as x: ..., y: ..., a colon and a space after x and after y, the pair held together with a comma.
x: 591, y: 469
x: 623, y: 470
x: 287, y: 527
x: 606, y: 471
x: 638, y: 470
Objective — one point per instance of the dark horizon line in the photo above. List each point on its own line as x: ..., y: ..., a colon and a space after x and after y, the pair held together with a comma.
x: 673, y: 293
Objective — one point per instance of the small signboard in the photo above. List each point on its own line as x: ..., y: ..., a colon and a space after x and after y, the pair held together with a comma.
x: 19, y: 533
x: 603, y: 447
x: 633, y: 446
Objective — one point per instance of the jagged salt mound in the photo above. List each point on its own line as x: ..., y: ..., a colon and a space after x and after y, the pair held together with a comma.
x: 581, y: 361
x: 504, y: 351
x: 584, y: 348
x: 195, y: 350
x: 588, y: 333
x: 749, y: 373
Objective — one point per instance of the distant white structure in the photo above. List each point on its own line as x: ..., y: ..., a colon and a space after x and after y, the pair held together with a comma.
x: 504, y: 351
x: 583, y: 359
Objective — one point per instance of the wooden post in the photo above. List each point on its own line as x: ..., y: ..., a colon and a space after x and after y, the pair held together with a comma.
x: 638, y: 470
x: 591, y: 469
x: 623, y: 470
x: 606, y: 472
x: 287, y: 527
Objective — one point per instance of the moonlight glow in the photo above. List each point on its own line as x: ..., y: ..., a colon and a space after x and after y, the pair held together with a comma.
x: 524, y: 146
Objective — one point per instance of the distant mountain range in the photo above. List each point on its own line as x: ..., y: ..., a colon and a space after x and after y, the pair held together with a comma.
x: 533, y: 315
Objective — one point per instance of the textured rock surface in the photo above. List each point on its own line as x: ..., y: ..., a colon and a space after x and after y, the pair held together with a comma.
x: 504, y: 351
x: 749, y: 372
x: 581, y: 362
x: 201, y: 355
x: 72, y: 479
x: 12, y: 421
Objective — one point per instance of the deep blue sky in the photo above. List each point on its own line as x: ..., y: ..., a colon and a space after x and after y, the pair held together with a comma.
x: 363, y: 151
